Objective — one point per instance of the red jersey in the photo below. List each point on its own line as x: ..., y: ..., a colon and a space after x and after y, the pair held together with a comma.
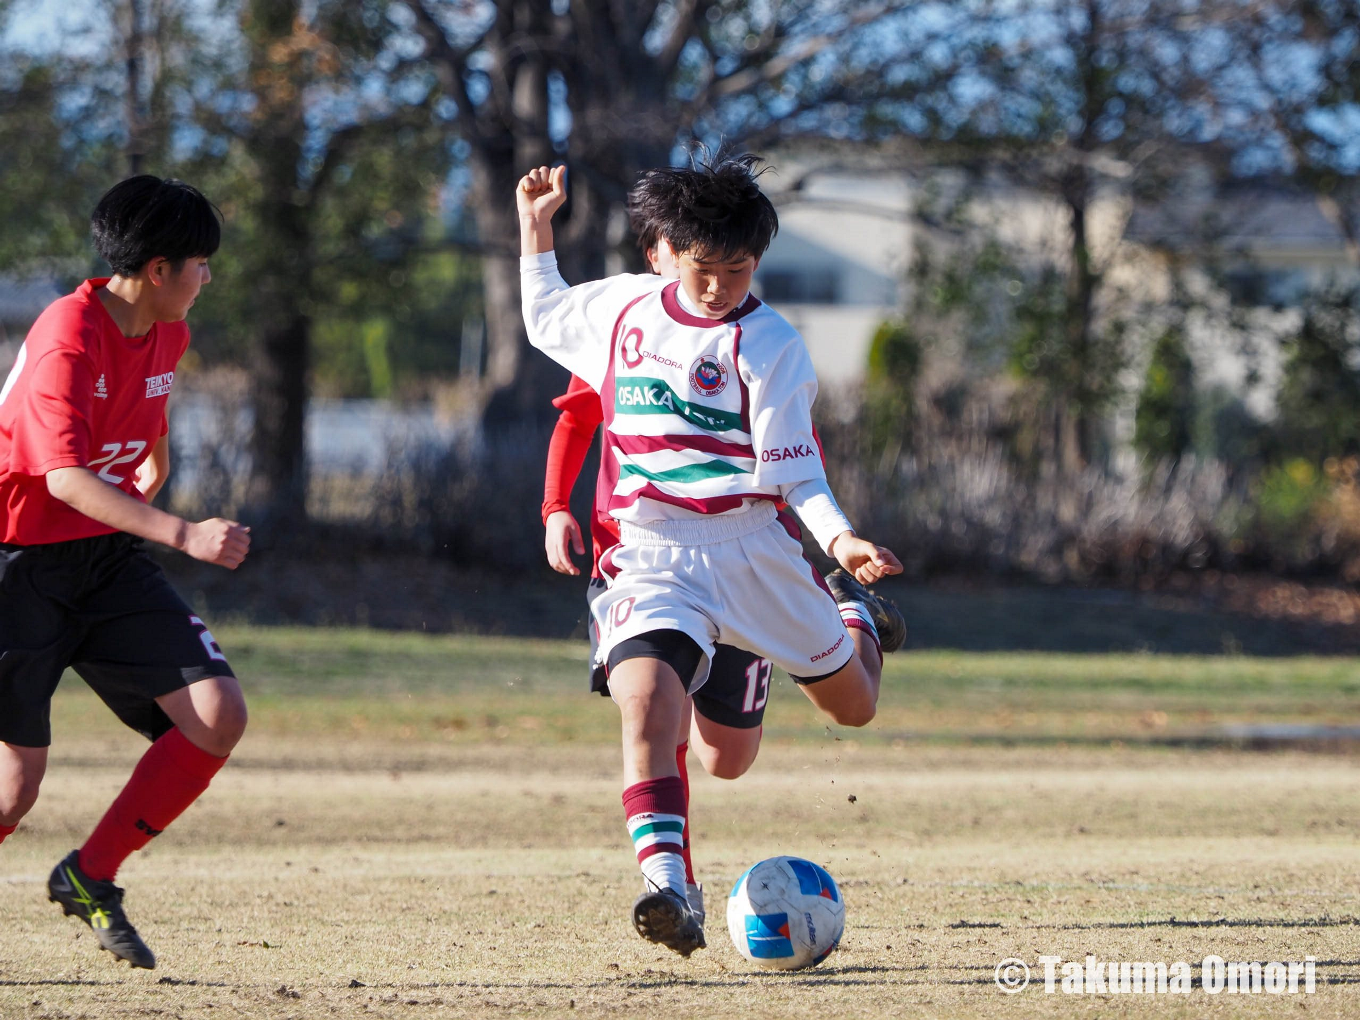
x: 80, y: 395
x: 581, y: 416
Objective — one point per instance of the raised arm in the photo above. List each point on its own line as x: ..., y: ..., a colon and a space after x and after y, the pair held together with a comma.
x: 572, y: 325
x: 541, y: 193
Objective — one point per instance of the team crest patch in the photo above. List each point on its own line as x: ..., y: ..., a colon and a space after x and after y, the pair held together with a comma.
x: 708, y: 376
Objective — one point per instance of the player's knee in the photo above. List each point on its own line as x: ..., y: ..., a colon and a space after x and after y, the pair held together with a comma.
x: 727, y: 762
x: 17, y: 799
x: 643, y: 722
x: 728, y: 766
x: 860, y: 713
x: 231, y: 725
x: 227, y: 725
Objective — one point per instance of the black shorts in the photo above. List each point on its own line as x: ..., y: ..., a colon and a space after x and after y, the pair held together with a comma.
x: 738, y: 684
x: 103, y: 607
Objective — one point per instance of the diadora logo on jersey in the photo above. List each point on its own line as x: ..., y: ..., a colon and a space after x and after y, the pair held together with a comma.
x: 786, y: 453
x: 708, y: 376
x: 159, y: 385
x: 634, y: 355
x: 101, y: 389
x: 822, y: 655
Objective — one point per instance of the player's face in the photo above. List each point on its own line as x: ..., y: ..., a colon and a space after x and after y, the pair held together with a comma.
x: 716, y: 286
x: 177, y: 289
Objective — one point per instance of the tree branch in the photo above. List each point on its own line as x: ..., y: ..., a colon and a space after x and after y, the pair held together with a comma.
x: 748, y: 77
x: 689, y: 14
x: 450, y: 62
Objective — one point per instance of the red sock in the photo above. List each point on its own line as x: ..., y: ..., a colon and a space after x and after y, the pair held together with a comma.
x: 682, y: 763
x: 169, y: 778
x: 6, y: 830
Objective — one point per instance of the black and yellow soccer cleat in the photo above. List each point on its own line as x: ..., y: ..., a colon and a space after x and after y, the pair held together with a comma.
x: 663, y: 916
x: 892, y: 628
x: 100, y: 905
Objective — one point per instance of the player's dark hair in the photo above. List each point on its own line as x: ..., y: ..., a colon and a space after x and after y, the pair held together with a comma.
x: 714, y: 211
x: 639, y: 221
x: 144, y: 217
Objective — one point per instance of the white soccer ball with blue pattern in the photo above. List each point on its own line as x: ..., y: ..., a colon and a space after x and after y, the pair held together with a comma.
x: 785, y: 913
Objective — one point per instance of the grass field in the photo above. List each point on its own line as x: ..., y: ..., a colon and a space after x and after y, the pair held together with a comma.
x: 429, y: 827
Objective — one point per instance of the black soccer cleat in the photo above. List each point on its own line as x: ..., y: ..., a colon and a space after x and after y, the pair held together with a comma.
x: 100, y: 905
x: 892, y: 629
x: 665, y: 917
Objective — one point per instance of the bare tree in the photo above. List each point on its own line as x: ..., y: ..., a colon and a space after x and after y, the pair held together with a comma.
x: 1075, y: 100
x: 614, y: 88
x: 315, y: 84
x: 1298, y: 80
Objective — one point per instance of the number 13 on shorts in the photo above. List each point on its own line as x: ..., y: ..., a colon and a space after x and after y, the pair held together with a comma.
x: 757, y: 685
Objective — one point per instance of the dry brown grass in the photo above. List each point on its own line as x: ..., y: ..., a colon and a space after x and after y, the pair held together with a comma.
x: 385, y: 879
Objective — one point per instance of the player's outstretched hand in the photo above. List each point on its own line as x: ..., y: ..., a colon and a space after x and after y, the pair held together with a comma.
x: 541, y: 192
x: 562, y: 536
x: 868, y: 562
x: 218, y: 541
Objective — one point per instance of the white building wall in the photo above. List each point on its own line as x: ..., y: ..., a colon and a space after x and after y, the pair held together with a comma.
x: 836, y: 268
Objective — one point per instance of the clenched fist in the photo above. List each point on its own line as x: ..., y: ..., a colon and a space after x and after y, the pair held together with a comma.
x: 218, y: 541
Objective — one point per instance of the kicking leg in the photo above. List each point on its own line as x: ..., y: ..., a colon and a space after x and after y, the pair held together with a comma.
x: 727, y: 752
x: 693, y: 891
x: 850, y: 695
x: 728, y: 711
x: 209, y: 718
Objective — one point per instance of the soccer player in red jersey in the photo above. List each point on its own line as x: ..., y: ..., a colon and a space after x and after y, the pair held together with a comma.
x: 84, y: 447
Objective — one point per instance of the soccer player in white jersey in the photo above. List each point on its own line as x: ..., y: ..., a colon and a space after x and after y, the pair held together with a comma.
x: 707, y: 395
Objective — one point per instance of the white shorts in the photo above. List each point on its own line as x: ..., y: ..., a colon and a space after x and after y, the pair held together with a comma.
x: 735, y: 579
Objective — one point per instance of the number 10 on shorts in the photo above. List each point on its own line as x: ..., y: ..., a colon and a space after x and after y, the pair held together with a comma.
x: 619, y: 613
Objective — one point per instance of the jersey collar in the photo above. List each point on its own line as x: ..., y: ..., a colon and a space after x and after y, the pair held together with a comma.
x: 670, y: 301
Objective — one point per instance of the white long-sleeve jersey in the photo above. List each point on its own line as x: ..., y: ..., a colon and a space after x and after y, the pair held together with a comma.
x: 702, y: 416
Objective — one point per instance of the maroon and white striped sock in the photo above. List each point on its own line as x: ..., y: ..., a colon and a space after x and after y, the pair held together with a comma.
x: 856, y: 616
x: 655, y: 810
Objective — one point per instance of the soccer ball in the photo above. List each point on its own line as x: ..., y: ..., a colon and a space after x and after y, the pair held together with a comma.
x: 785, y: 913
